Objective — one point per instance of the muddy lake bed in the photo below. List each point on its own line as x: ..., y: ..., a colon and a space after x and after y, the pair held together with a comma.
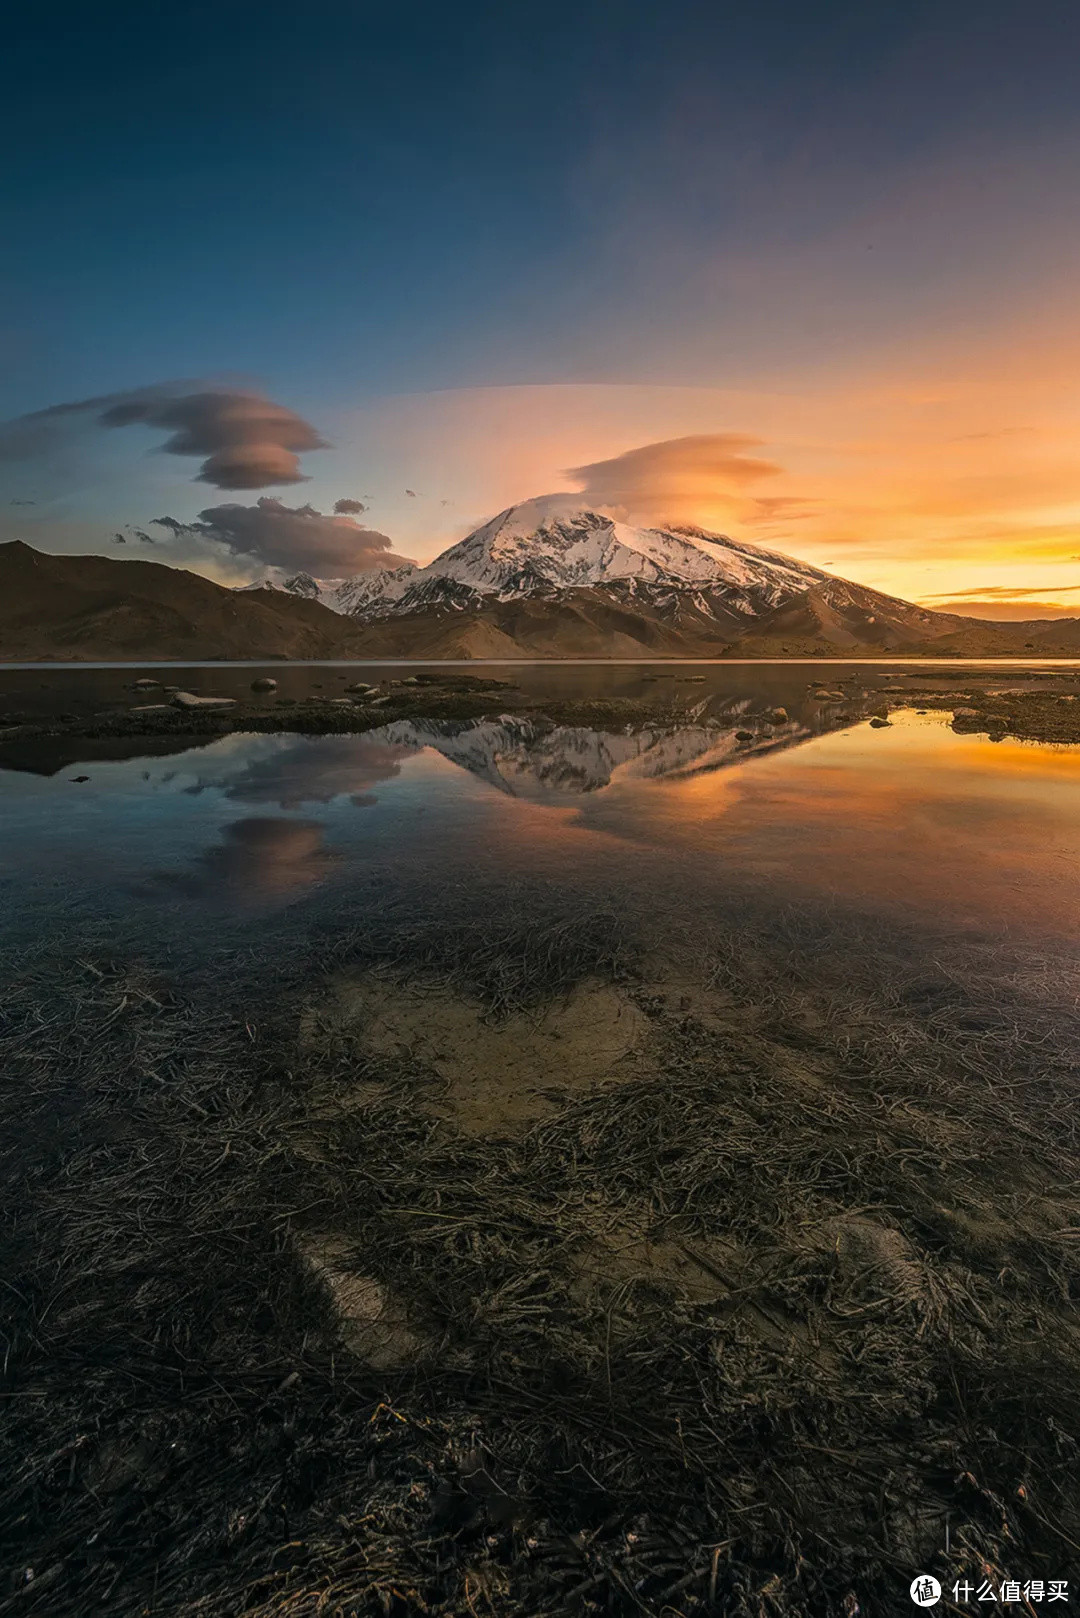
x: 543, y: 1139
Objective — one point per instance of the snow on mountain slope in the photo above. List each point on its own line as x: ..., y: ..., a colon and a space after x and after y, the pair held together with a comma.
x: 361, y: 596
x: 369, y: 594
x: 557, y: 540
x: 556, y: 543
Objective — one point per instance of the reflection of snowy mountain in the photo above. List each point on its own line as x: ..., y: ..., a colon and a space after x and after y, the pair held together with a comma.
x: 524, y: 758
x: 530, y: 760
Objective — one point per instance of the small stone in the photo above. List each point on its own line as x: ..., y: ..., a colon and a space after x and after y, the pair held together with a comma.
x: 80, y: 778
x: 778, y: 716
x: 146, y: 684
x: 185, y: 699
x: 879, y: 724
x: 744, y: 735
x: 152, y: 707
x: 265, y: 684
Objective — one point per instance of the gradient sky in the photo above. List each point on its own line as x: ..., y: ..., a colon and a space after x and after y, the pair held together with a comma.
x: 477, y: 247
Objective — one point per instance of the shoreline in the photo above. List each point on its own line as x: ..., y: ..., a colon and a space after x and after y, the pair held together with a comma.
x: 1049, y: 715
x: 270, y: 662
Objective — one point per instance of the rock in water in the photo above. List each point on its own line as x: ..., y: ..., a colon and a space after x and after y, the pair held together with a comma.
x: 264, y: 685
x: 185, y: 699
x: 778, y: 716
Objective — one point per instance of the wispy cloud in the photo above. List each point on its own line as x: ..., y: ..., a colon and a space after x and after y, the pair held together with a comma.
x: 989, y: 591
x: 1000, y: 610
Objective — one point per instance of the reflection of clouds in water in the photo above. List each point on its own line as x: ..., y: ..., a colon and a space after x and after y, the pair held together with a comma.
x: 308, y: 770
x: 259, y: 860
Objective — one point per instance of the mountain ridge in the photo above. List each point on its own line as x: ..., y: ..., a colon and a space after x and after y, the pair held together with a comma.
x: 85, y: 608
x: 585, y: 580
x: 551, y: 578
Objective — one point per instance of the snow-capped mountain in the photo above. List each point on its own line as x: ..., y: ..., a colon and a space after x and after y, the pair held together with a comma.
x: 355, y: 597
x: 561, y: 559
x: 555, y: 543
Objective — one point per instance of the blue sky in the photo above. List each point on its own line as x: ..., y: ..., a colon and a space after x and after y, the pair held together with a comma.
x: 346, y: 208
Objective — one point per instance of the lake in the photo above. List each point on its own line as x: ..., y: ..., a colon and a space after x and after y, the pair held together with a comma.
x: 220, y: 840
x: 584, y: 1160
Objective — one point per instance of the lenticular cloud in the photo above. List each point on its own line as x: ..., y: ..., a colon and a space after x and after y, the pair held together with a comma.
x: 244, y: 440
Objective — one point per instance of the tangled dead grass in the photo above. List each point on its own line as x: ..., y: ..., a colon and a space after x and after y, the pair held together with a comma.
x: 293, y: 1329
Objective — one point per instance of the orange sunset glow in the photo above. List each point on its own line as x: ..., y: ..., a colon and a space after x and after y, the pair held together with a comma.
x: 952, y: 482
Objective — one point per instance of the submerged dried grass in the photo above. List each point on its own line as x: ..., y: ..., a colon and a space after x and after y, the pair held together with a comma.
x: 737, y: 1335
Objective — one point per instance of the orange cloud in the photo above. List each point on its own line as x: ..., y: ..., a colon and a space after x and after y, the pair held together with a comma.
x: 671, y: 479
x: 1008, y: 611
x: 1007, y: 602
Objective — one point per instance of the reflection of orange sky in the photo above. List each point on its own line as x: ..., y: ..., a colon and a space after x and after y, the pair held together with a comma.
x: 914, y: 818
x: 955, y: 825
x: 930, y: 478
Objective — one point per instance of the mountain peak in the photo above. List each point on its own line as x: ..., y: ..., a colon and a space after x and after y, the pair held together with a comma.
x: 562, y: 541
x: 534, y: 516
x: 562, y: 555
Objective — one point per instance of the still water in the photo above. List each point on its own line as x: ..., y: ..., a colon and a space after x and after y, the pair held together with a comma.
x: 255, y: 839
